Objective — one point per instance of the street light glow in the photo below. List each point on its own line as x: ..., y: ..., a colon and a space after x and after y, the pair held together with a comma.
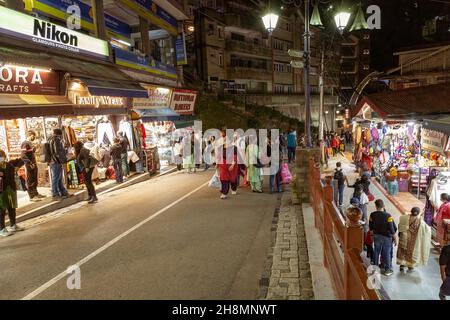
x: 270, y: 21
x: 342, y: 19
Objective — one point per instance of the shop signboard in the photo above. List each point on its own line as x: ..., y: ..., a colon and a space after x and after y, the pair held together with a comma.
x: 58, y: 9
x: 47, y: 34
x: 23, y: 80
x: 183, y: 101
x: 434, y: 141
x: 158, y: 98
x: 181, y: 50
x: 149, y: 10
x: 79, y: 95
x: 132, y: 60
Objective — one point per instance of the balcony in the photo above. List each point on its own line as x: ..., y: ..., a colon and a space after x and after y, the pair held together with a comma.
x: 248, y: 73
x: 246, y: 47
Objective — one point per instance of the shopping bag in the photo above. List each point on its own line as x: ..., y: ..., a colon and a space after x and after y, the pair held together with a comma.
x: 286, y: 176
x: 215, y: 182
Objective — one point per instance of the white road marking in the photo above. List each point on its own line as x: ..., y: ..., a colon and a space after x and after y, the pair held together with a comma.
x: 63, y: 274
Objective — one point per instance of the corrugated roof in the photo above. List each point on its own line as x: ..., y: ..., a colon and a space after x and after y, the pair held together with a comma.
x: 421, y: 101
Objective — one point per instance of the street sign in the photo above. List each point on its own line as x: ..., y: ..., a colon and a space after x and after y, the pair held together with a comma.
x: 296, y: 53
x: 297, y: 64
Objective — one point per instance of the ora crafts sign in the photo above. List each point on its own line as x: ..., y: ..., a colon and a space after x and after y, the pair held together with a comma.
x: 434, y: 141
x: 41, y: 32
x: 23, y: 80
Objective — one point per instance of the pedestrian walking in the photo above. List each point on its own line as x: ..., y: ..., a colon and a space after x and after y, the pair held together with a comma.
x: 116, y: 158
x: 188, y: 148
x: 383, y: 227
x: 275, y: 172
x: 29, y: 158
x: 414, y: 241
x: 334, y: 145
x: 177, y: 153
x: 341, y: 181
x: 442, y: 214
x: 57, y: 161
x: 254, y: 176
x: 228, y: 171
x: 444, y: 263
x: 124, y: 156
x: 88, y: 163
x: 291, y: 145
x: 8, y: 194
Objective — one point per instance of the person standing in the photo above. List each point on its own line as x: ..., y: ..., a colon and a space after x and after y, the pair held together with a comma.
x: 341, y: 181
x: 414, y: 241
x: 8, y: 194
x: 254, y: 176
x: 88, y: 163
x: 276, y: 175
x: 444, y: 264
x: 228, y: 171
x: 334, y: 145
x: 116, y: 151
x: 124, y: 156
x: 383, y: 228
x: 177, y: 156
x: 392, y: 180
x: 29, y: 158
x: 291, y: 145
x: 58, y: 158
x: 442, y: 214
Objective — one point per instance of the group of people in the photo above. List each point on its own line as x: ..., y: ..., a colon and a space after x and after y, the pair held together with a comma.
x: 56, y: 156
x: 412, y: 236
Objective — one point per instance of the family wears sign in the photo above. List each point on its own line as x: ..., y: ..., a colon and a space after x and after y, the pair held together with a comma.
x: 79, y: 95
x: 41, y: 32
x: 183, y: 101
x: 22, y: 80
x: 434, y: 141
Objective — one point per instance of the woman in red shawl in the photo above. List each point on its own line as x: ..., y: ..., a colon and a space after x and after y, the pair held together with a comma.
x: 442, y: 214
x: 335, y: 145
x: 228, y: 171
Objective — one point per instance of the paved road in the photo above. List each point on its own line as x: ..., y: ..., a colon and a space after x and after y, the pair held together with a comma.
x: 167, y: 238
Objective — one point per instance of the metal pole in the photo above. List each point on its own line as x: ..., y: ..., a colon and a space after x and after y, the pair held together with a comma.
x: 307, y: 79
x: 321, y: 79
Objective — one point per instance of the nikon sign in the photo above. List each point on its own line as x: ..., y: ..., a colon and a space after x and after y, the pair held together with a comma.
x: 41, y: 32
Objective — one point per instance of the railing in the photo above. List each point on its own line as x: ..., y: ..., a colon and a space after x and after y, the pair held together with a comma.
x: 241, y: 46
x: 342, y: 241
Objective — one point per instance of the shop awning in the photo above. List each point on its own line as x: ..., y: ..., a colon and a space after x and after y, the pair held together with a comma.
x: 113, y: 89
x: 180, y: 124
x: 413, y: 104
x: 162, y: 114
x: 13, y: 106
x: 99, y: 111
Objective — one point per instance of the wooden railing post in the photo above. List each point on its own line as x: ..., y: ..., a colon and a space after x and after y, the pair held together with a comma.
x: 327, y: 220
x: 354, y: 239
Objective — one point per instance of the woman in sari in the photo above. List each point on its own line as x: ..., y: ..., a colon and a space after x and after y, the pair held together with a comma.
x: 442, y: 214
x: 254, y: 176
x: 414, y: 241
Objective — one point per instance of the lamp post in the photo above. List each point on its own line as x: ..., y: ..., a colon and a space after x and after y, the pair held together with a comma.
x: 270, y: 21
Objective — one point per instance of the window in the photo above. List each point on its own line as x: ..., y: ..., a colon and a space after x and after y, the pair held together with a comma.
x: 279, y: 88
x: 220, y: 32
x: 221, y: 60
x: 288, y: 68
x: 290, y: 89
x: 366, y: 67
x: 237, y: 37
x: 210, y: 29
x: 288, y: 27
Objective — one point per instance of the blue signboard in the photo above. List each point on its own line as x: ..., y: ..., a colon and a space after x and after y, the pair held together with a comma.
x: 58, y: 9
x: 132, y: 60
x: 181, y: 50
x: 161, y: 13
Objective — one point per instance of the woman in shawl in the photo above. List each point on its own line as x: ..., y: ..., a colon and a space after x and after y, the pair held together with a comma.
x: 414, y: 241
x: 254, y: 176
x: 442, y: 214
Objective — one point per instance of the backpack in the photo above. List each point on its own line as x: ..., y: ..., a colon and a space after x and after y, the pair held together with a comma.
x: 339, y: 176
x: 47, y: 152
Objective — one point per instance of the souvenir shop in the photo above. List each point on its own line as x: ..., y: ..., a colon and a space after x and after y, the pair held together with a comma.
x: 165, y: 116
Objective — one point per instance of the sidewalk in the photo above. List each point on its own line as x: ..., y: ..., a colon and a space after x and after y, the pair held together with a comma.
x: 28, y: 210
x: 424, y: 283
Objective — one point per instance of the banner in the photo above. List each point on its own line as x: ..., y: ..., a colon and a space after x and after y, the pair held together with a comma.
x: 158, y: 98
x: 44, y: 33
x: 180, y: 46
x: 23, y: 80
x: 183, y: 101
x: 132, y: 60
x: 434, y: 141
x: 58, y: 9
x: 155, y: 14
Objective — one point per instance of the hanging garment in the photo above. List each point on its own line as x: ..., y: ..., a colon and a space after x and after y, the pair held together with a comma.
x: 105, y: 133
x: 374, y: 133
x: 127, y: 130
x: 143, y: 135
x: 72, y: 173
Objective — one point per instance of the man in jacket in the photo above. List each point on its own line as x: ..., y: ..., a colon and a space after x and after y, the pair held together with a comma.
x: 58, y: 158
x: 292, y: 145
x: 29, y: 158
x: 116, y: 151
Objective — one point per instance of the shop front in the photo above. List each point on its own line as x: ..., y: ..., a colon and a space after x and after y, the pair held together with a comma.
x: 166, y: 116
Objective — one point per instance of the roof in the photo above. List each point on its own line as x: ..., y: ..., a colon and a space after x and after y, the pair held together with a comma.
x: 412, y: 103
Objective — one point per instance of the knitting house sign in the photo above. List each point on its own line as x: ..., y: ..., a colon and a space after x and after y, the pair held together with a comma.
x: 18, y: 25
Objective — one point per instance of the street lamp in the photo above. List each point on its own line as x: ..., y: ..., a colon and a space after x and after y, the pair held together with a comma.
x: 270, y: 21
x: 342, y: 19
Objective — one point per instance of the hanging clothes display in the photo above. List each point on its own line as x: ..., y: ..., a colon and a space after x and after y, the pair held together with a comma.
x: 105, y: 133
x: 127, y: 129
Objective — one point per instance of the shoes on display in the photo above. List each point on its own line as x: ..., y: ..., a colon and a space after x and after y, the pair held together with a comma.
x: 4, y: 233
x: 16, y: 228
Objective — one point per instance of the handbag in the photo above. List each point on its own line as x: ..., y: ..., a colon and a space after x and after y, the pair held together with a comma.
x: 286, y: 176
x: 371, y: 197
x: 215, y: 182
